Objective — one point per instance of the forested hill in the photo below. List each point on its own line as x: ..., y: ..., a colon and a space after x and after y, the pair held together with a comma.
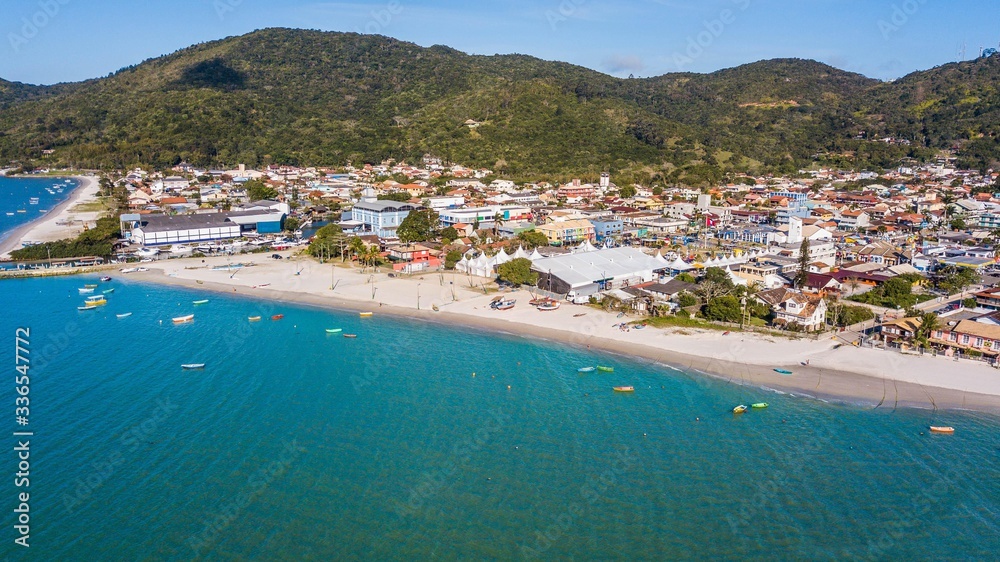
x: 308, y: 97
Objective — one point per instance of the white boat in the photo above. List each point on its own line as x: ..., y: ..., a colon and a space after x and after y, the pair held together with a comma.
x: 146, y: 252
x: 85, y: 290
x: 10, y: 214
x: 128, y: 270
x: 126, y: 315
x: 180, y: 249
x: 184, y: 319
x: 86, y: 307
x: 192, y: 366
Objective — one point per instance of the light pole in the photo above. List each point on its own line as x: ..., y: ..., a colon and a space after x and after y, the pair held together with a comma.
x: 418, y: 296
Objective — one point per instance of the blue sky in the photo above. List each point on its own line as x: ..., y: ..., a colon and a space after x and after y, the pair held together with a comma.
x: 48, y: 41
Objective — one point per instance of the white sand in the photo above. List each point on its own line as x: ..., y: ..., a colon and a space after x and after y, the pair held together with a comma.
x: 846, y: 373
x: 61, y: 222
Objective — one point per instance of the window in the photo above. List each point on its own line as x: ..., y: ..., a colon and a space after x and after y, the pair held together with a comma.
x: 965, y: 339
x: 979, y: 342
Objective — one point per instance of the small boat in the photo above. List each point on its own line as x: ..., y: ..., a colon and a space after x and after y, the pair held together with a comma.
x: 624, y: 389
x: 435, y: 308
x: 96, y: 299
x: 352, y: 336
x: 334, y: 330
x: 620, y: 314
x: 10, y: 214
x: 552, y: 305
x: 638, y: 326
x: 277, y: 317
x: 726, y: 333
x: 107, y: 291
x: 262, y: 285
x: 604, y: 369
x: 86, y: 290
x: 183, y: 319
x: 366, y: 314
x: 126, y: 315
x: 86, y: 307
x: 105, y: 279
x: 579, y: 315
x: 942, y: 429
x: 783, y: 371
x: 200, y: 282
x: 22, y: 211
x: 253, y: 318
x: 202, y: 301
x: 193, y: 366
x: 90, y: 286
x: 505, y: 304
x: 739, y: 409
x: 759, y: 405
x: 585, y: 370
x: 128, y: 269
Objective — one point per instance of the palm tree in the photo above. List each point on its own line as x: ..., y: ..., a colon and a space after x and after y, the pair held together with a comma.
x: 497, y: 223
x: 356, y: 247
x: 928, y: 323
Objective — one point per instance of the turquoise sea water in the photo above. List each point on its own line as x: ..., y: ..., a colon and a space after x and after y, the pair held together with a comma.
x: 16, y: 193
x: 293, y: 444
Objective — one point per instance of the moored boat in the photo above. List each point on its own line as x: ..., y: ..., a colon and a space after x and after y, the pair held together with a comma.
x: 192, y: 366
x: 352, y: 336
x: 277, y: 317
x: 334, y: 330
x: 585, y: 370
x: 86, y: 290
x: 604, y: 369
x: 90, y: 286
x: 107, y: 291
x: 96, y: 300
x: 202, y: 301
x: 624, y: 389
x: 942, y: 429
x: 366, y: 314
x: 783, y: 371
x: 183, y: 319
x: 739, y: 409
x: 125, y: 315
x: 759, y: 405
x: 86, y: 307
x: 253, y: 318
x: 105, y: 279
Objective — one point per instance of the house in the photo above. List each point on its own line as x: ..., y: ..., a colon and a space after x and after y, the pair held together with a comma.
x: 793, y: 307
x: 968, y: 337
x: 412, y: 258
x: 568, y: 232
x: 605, y: 229
x: 897, y: 332
x: 990, y: 298
x: 669, y: 290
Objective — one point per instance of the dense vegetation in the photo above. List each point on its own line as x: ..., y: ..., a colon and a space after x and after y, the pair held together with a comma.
x: 98, y: 241
x: 309, y: 97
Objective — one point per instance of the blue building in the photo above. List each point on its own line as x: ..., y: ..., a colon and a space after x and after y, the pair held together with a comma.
x: 604, y: 229
x: 381, y: 218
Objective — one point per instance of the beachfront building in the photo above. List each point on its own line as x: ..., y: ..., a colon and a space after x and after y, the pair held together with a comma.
x: 157, y: 230
x: 587, y: 273
x: 380, y: 218
x: 568, y: 232
x: 793, y: 307
x: 484, y: 216
x: 969, y: 337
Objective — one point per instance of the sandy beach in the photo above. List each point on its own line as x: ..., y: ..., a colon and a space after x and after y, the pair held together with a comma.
x: 59, y: 223
x: 837, y: 373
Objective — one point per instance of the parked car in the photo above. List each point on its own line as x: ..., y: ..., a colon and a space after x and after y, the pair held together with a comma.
x: 277, y: 256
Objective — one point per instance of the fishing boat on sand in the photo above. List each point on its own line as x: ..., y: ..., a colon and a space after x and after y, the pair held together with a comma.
x: 579, y: 315
x: 277, y: 317
x: 585, y: 370
x: 783, y: 371
x: 202, y: 301
x: 253, y: 318
x: 183, y: 319
x: 125, y: 315
x: 942, y: 429
x: 739, y: 409
x: 759, y: 405
x: 624, y: 389
x: 505, y: 304
x: 551, y: 305
x: 192, y: 366
x: 604, y: 369
x: 334, y: 330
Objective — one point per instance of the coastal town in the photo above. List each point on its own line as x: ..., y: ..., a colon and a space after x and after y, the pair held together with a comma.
x: 903, y: 260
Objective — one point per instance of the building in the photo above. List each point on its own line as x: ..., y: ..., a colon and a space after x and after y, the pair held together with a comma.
x: 484, y: 216
x: 575, y: 191
x: 381, y: 218
x: 587, y: 273
x: 794, y: 307
x: 990, y: 298
x: 899, y: 332
x: 607, y: 229
x: 156, y: 230
x: 968, y: 337
x: 568, y: 232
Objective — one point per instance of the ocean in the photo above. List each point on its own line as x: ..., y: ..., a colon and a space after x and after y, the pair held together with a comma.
x: 417, y: 441
x: 16, y: 195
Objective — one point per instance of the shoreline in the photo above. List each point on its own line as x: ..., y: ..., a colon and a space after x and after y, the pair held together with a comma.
x: 833, y: 375
x: 46, y: 224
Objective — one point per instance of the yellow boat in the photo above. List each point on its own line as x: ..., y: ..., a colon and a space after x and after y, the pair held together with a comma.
x: 366, y: 314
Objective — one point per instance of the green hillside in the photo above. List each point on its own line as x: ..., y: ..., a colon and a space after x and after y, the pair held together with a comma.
x: 308, y: 97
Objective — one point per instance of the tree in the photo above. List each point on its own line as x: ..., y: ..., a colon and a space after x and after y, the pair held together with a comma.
x: 532, y: 239
x: 291, y: 224
x: 928, y: 323
x: 517, y: 272
x: 257, y: 190
x: 398, y: 196
x: 802, y: 275
x: 686, y: 299
x: 626, y: 191
x: 449, y: 233
x: 724, y: 309
x: 418, y: 226
x: 714, y: 283
x: 958, y: 223
x: 497, y: 223
x: 657, y: 190
x: 452, y: 258
x: 686, y: 277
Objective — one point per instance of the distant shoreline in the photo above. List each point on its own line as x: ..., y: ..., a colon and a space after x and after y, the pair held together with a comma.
x: 830, y: 376
x: 16, y: 237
